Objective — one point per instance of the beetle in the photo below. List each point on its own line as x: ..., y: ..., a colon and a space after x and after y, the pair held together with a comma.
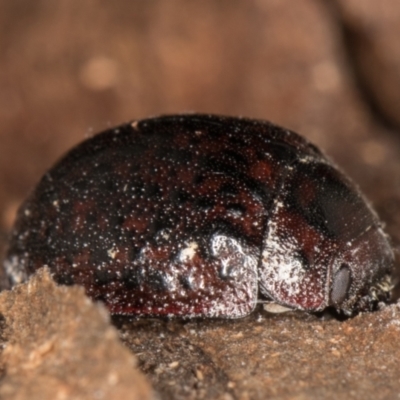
x: 203, y: 216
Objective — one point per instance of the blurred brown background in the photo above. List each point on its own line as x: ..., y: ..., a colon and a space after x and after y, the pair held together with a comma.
x: 329, y: 70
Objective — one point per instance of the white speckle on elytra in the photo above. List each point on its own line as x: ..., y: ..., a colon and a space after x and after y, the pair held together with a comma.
x: 112, y: 252
x: 188, y: 253
x: 165, y: 235
x: 238, y: 268
x: 282, y: 269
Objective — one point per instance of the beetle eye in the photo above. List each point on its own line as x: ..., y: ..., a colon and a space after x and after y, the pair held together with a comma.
x: 341, y: 284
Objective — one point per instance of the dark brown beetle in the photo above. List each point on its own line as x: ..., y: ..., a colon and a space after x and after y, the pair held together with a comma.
x: 200, y: 215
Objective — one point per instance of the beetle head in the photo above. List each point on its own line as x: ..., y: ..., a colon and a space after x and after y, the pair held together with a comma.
x: 360, y: 274
x: 324, y: 246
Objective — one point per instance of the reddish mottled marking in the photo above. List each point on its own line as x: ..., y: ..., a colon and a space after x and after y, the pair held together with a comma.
x: 261, y: 170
